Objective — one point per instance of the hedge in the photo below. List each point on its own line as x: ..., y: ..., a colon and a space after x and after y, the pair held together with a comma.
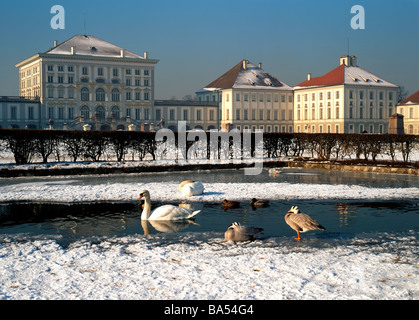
x: 28, y: 145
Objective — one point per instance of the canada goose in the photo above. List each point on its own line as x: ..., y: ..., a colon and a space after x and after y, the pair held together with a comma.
x: 259, y: 203
x: 301, y: 222
x: 237, y: 232
x: 166, y: 212
x: 190, y: 188
x: 227, y: 204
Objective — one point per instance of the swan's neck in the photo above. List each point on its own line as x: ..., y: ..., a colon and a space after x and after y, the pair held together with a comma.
x: 147, y: 209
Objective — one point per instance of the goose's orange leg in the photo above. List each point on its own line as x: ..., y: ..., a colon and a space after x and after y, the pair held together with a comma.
x: 298, y: 234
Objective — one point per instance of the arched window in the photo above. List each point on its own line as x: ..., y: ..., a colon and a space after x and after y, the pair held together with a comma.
x: 85, y: 94
x: 116, y: 112
x: 100, y: 113
x: 84, y: 112
x: 100, y: 95
x: 115, y: 95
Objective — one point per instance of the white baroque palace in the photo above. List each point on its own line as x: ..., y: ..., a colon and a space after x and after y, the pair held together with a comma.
x: 250, y: 99
x: 409, y: 109
x: 347, y: 99
x: 86, y: 82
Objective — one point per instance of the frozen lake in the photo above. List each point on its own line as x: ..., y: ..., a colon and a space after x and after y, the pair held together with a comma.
x: 81, y: 237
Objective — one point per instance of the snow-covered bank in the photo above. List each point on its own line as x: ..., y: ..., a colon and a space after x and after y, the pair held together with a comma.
x: 138, y: 267
x: 65, y: 191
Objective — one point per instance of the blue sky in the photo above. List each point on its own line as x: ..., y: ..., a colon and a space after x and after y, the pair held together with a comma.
x: 196, y: 41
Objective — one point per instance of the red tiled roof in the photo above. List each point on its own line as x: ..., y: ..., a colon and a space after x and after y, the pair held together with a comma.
x: 413, y: 98
x: 336, y: 76
x: 228, y: 79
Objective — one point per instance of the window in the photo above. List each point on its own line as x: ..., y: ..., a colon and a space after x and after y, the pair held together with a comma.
x: 100, y: 113
x: 246, y: 116
x: 61, y: 93
x: 30, y: 113
x: 246, y: 97
x: 61, y: 113
x: 70, y: 113
x: 146, y: 72
x: 185, y: 115
x: 337, y: 94
x: 137, y: 96
x: 227, y: 97
x: 361, y: 94
x: 115, y: 95
x: 115, y: 72
x: 146, y: 83
x: 84, y: 71
x: 260, y: 114
x: 13, y: 113
x: 70, y: 79
x: 100, y: 95
x: 172, y: 114
x: 337, y: 113
x: 128, y: 71
x: 137, y: 72
x: 198, y: 115
x: 137, y: 83
x: 100, y: 71
x: 116, y: 113
x: 85, y: 94
x: 128, y: 95
x: 137, y: 114
x: 60, y: 79
x: 238, y: 98
x: 371, y: 95
x: 50, y: 79
x: 70, y: 93
x: 51, y: 112
x: 51, y: 93
x: 128, y: 82
x: 70, y: 69
x: 128, y: 113
x: 146, y: 96
x: 50, y: 68
x: 211, y: 115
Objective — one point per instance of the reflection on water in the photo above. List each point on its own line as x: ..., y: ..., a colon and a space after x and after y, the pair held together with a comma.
x: 286, y: 175
x: 110, y: 219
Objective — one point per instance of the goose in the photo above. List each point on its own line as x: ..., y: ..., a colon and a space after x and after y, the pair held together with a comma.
x: 301, y: 222
x: 228, y: 204
x: 166, y: 212
x: 190, y: 188
x: 237, y: 232
x: 259, y: 203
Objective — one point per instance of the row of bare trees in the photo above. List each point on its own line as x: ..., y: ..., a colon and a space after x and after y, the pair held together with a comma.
x: 28, y: 146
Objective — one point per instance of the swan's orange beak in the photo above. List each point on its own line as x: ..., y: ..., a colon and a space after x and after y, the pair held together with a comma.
x: 141, y: 196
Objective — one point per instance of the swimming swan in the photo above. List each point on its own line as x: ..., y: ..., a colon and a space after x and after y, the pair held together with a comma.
x: 166, y: 212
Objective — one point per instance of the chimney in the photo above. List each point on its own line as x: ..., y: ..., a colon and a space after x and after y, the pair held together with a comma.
x: 353, y: 61
x: 145, y: 55
x: 73, y: 50
x: 260, y: 65
x: 122, y: 53
x: 308, y: 76
x: 55, y: 43
x: 245, y: 64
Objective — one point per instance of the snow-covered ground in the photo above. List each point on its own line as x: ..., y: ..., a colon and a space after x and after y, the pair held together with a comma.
x: 368, y: 266
x: 383, y: 267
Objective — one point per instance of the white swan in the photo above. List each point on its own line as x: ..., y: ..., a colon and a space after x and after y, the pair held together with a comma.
x: 166, y: 212
x: 190, y: 188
